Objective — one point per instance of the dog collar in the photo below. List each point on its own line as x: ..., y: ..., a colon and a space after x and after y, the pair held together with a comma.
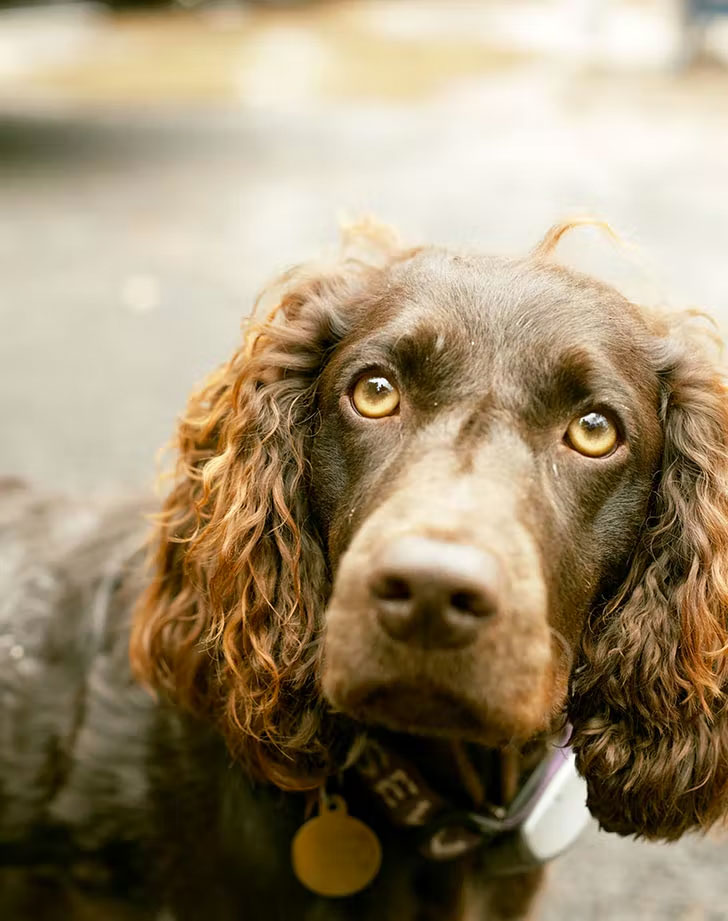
x: 546, y: 815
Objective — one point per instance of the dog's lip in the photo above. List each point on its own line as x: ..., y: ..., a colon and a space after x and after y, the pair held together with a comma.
x: 414, y: 709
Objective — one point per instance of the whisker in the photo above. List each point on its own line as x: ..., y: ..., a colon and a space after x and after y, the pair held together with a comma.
x: 565, y: 646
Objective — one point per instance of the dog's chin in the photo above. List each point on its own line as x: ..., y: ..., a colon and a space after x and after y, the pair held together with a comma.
x: 417, y: 711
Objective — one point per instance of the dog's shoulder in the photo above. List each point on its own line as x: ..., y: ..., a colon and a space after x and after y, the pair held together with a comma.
x: 72, y: 719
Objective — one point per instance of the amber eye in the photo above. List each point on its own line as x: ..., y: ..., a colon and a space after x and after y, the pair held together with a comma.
x: 374, y: 396
x: 592, y: 434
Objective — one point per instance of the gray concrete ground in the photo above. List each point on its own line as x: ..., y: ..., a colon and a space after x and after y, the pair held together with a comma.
x: 153, y: 175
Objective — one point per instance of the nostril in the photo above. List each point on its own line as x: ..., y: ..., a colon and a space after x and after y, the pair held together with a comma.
x: 391, y: 588
x: 471, y: 603
x: 433, y: 594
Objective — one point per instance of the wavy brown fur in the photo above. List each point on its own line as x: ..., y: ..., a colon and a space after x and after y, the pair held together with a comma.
x: 228, y: 628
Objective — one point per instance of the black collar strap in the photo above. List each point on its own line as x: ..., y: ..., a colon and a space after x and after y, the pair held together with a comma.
x: 446, y: 833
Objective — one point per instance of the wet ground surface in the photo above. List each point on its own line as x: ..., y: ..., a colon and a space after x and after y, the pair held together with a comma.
x: 154, y: 174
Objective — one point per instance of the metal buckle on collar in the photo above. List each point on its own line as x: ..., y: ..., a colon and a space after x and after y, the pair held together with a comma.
x: 456, y: 834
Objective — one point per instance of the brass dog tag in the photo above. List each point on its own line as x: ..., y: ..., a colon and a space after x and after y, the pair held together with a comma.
x: 334, y: 854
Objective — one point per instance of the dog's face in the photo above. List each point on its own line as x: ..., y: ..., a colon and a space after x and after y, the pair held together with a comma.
x: 487, y: 444
x: 456, y: 495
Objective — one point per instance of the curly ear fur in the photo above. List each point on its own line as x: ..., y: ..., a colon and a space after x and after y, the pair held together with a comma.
x: 649, y: 699
x: 228, y: 626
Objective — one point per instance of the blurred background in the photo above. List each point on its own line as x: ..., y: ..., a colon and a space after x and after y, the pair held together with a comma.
x: 160, y: 163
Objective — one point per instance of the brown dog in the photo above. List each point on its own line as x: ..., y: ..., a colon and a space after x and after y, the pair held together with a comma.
x: 448, y: 501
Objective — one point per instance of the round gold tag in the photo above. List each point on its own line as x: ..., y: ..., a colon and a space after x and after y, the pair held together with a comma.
x: 334, y: 854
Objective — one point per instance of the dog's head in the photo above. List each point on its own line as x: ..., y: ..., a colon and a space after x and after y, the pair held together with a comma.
x: 457, y: 495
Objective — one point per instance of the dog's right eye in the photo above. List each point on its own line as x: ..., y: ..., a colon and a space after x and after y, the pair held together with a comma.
x: 375, y: 396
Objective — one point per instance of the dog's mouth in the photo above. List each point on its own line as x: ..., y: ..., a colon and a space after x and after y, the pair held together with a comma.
x: 415, y: 710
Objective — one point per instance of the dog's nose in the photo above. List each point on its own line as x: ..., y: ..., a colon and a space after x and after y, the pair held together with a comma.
x: 433, y: 593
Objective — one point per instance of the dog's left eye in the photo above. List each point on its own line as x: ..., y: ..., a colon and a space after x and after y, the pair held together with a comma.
x: 592, y: 434
x: 375, y: 396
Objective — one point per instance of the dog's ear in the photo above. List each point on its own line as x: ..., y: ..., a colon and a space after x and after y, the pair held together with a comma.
x: 648, y: 703
x: 227, y: 627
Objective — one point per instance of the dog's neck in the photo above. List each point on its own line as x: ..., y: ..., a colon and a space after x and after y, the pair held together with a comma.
x: 467, y: 775
x: 453, y: 797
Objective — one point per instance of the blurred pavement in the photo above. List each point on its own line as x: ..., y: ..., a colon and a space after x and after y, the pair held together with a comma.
x: 156, y: 171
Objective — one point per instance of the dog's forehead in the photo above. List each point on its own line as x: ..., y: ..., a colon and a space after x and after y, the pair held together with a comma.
x: 484, y: 310
x: 495, y: 298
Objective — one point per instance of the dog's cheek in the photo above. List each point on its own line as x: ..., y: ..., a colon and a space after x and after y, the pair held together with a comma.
x: 351, y: 474
x: 590, y: 521
x: 331, y: 478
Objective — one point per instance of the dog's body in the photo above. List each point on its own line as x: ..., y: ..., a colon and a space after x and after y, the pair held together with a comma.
x: 442, y: 497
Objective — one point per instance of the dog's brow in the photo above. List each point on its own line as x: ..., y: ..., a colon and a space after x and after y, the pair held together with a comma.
x: 417, y: 349
x: 575, y: 377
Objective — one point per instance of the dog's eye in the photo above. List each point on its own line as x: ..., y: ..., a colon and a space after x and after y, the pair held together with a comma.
x: 374, y: 396
x: 593, y: 435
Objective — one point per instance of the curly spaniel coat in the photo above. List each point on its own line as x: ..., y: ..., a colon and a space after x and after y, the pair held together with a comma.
x: 452, y: 499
